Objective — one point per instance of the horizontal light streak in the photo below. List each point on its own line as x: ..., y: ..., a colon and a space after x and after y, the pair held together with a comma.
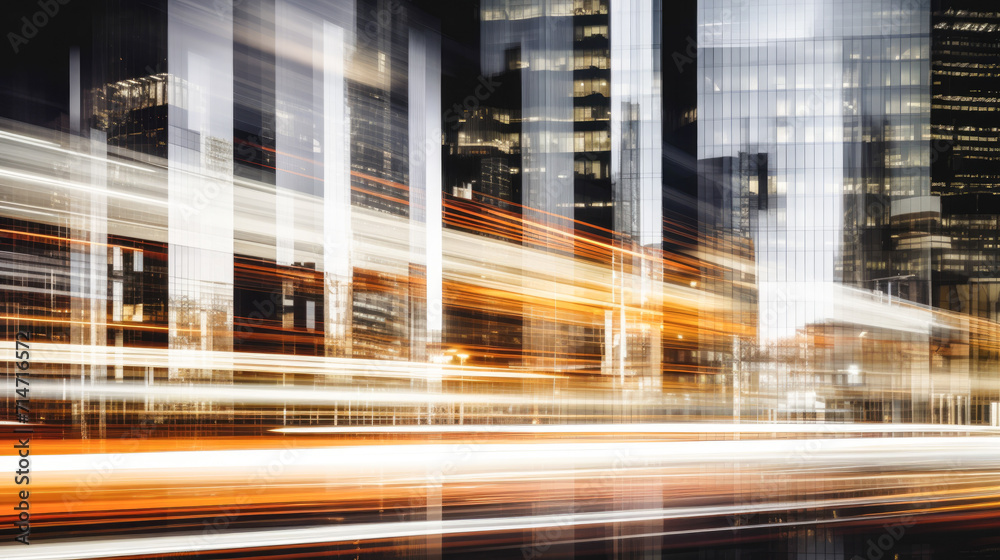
x: 108, y: 548
x: 475, y: 459
x: 279, y: 395
x: 468, y: 467
x: 55, y: 147
x: 78, y: 354
x: 652, y: 428
x: 71, y: 185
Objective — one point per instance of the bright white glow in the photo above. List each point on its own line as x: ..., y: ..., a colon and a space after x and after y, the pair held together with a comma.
x: 482, y: 464
x: 657, y: 428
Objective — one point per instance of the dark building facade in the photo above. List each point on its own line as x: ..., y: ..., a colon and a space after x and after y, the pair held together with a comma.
x: 965, y: 157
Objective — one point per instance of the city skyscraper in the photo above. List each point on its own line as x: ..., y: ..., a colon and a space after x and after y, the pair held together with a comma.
x: 965, y: 163
x: 502, y: 278
x: 814, y: 127
x: 542, y: 129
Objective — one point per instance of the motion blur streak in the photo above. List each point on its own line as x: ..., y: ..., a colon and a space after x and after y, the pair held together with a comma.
x: 253, y: 450
x: 704, y: 428
x: 434, y: 279
x: 585, y: 483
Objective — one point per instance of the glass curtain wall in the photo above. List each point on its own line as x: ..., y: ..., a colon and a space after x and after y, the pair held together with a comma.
x: 829, y: 101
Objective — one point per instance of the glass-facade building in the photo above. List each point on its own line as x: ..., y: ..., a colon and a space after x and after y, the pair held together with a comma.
x: 623, y: 278
x: 831, y: 100
x: 814, y: 143
x: 965, y: 122
x: 353, y: 198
